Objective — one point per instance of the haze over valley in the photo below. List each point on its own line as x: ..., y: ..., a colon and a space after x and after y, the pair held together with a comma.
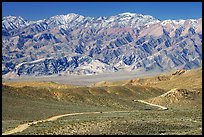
x: 114, y: 74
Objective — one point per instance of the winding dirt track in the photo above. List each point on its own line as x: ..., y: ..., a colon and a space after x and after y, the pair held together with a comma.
x: 161, y: 107
x: 22, y: 127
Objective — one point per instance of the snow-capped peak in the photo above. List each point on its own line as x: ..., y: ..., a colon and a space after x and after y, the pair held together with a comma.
x: 179, y: 22
x: 64, y: 19
x: 12, y: 18
x: 13, y: 22
x: 176, y: 22
x: 75, y: 44
x: 128, y: 13
x: 101, y: 18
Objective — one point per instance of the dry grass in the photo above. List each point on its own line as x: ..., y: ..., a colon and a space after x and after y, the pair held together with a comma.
x: 190, y: 79
x: 179, y: 98
x: 38, y: 84
x: 24, y: 101
x: 187, y: 79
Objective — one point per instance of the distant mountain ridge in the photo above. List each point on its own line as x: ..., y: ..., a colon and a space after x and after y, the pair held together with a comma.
x: 75, y: 44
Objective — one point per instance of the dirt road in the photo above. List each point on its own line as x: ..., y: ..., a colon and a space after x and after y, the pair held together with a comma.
x: 161, y: 107
x: 22, y: 127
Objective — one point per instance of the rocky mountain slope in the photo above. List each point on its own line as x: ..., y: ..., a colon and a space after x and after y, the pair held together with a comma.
x: 75, y: 44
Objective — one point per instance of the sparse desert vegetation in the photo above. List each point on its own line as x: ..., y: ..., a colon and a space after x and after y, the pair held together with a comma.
x: 118, y: 111
x: 83, y: 71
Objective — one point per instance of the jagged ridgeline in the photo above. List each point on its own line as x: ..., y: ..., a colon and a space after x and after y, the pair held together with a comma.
x: 75, y: 44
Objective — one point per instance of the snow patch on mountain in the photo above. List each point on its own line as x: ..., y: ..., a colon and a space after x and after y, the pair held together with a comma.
x: 75, y: 44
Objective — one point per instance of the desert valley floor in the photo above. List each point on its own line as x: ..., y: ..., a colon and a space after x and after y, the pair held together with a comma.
x: 168, y: 103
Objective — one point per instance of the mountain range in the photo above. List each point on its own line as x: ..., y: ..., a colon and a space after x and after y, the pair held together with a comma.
x: 75, y: 44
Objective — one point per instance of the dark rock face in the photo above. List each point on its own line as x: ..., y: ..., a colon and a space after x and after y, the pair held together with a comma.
x: 82, y: 45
